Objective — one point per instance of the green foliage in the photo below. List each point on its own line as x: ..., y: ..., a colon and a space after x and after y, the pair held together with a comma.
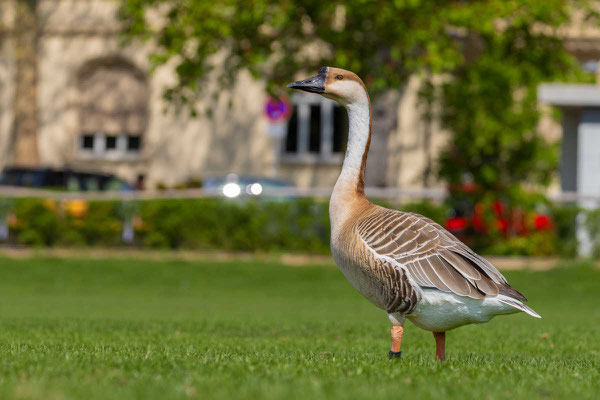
x: 434, y: 211
x: 384, y: 42
x: 292, y: 226
x: 300, y: 226
x: 593, y: 227
x: 101, y: 226
x: 565, y: 222
x: 209, y: 41
x: 118, y: 329
x: 48, y: 223
x: 38, y: 223
x: 535, y: 244
x: 490, y: 101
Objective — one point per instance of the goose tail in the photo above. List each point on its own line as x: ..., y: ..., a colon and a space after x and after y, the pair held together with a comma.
x: 519, y: 306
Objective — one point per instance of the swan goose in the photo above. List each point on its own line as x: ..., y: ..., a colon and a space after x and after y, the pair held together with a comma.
x: 402, y: 262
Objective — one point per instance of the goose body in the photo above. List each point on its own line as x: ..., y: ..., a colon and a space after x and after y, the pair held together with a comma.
x: 407, y: 284
x: 403, y: 263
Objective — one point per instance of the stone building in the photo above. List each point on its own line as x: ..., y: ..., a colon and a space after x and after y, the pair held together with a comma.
x: 72, y: 96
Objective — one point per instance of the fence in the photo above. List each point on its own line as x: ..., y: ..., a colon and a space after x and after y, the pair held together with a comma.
x: 386, y: 193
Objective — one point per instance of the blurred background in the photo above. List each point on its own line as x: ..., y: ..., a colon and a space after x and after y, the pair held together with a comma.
x: 123, y: 120
x: 164, y: 228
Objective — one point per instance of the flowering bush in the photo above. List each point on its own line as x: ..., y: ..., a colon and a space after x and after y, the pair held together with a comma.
x: 503, y: 226
x: 294, y: 226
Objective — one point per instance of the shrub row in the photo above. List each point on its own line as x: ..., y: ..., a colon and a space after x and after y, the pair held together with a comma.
x: 291, y: 226
x: 296, y: 226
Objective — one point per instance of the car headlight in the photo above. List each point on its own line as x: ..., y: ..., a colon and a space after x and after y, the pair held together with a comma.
x: 256, y: 189
x: 231, y: 190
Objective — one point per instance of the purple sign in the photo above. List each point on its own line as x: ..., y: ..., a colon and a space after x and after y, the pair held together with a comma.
x: 277, y: 109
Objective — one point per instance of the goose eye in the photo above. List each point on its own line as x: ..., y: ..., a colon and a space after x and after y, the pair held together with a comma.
x: 339, y: 77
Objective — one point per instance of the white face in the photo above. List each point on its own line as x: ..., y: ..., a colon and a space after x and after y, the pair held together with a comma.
x: 345, y: 90
x: 340, y: 85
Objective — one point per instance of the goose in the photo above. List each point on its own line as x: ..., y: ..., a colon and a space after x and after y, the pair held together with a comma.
x: 402, y: 262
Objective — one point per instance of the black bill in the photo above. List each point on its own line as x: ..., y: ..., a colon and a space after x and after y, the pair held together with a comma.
x: 316, y: 84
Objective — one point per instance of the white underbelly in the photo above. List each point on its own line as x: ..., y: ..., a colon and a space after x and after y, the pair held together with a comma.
x: 439, y: 311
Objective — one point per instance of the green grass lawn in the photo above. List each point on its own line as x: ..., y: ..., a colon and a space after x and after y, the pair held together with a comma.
x: 125, y: 329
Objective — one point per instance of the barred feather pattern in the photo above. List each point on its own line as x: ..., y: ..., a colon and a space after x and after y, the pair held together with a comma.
x: 390, y: 285
x: 408, y: 245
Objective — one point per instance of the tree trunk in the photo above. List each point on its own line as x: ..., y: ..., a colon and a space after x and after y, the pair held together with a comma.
x: 25, y: 125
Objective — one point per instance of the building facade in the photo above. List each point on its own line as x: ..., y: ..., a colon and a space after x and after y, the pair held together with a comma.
x: 99, y: 108
x: 83, y: 101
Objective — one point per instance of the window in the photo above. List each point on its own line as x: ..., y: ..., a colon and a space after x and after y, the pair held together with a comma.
x: 87, y: 142
x: 340, y: 126
x: 111, y: 143
x: 134, y: 143
x: 101, y: 145
x: 291, y: 139
x: 314, y: 138
x: 316, y: 130
x: 113, y: 109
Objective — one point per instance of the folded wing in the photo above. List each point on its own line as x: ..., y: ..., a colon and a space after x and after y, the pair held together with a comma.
x: 432, y: 256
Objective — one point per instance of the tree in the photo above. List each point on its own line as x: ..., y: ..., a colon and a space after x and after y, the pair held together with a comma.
x: 490, y: 102
x: 491, y: 54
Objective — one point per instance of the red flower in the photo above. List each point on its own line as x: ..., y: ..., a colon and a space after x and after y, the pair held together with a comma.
x: 456, y: 223
x: 478, y: 223
x: 469, y: 187
x: 498, y: 207
x: 502, y: 225
x: 542, y: 222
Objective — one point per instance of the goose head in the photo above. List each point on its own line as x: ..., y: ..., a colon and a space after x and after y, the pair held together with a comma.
x: 338, y: 84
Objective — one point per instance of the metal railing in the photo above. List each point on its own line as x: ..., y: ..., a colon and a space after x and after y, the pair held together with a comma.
x: 386, y: 193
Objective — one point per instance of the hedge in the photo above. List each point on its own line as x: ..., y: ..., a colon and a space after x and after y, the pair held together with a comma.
x: 216, y: 224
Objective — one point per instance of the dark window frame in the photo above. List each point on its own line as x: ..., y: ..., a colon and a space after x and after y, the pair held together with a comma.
x: 318, y: 127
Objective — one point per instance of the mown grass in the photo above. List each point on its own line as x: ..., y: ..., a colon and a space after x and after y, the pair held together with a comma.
x: 126, y: 329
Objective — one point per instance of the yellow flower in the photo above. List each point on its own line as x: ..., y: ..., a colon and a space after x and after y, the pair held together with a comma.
x: 77, y: 208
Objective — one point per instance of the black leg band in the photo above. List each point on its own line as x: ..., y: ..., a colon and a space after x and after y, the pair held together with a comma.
x: 397, y: 355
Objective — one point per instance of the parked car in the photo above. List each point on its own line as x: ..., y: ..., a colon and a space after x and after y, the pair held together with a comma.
x: 233, y: 186
x: 61, y: 179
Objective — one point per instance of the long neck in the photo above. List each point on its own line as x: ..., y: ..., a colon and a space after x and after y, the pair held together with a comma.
x: 352, y: 177
x: 350, y: 185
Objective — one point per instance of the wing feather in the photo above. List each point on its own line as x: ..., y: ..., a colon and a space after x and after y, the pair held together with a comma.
x: 417, y: 273
x: 481, y: 262
x: 404, y: 248
x: 427, y: 269
x: 487, y: 286
x: 431, y: 256
x: 451, y: 278
x: 462, y: 265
